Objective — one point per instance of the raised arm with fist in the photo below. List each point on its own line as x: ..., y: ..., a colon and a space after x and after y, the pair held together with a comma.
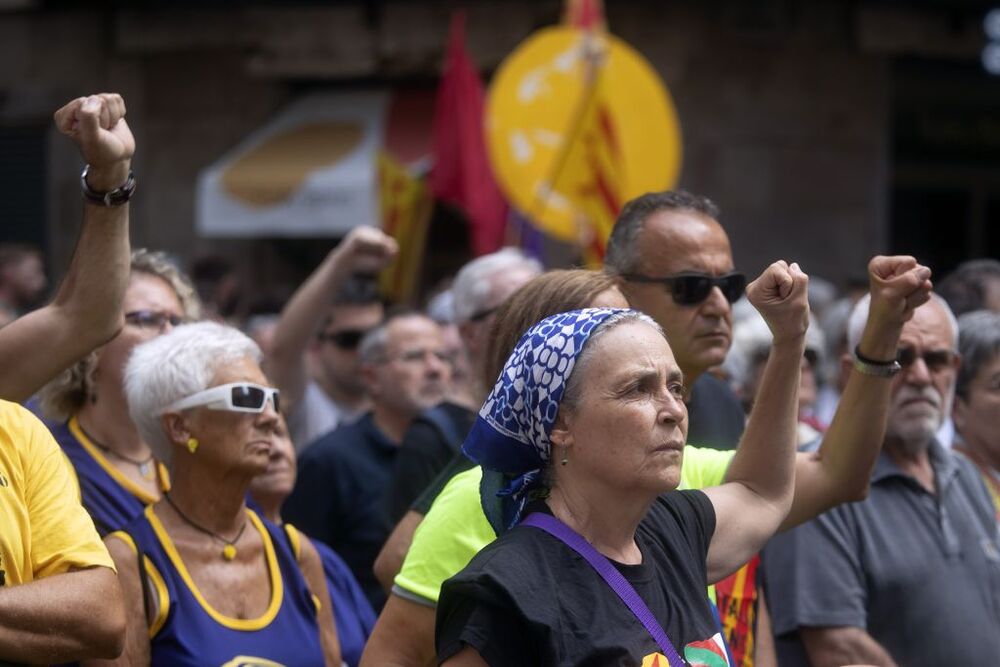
x: 87, y: 309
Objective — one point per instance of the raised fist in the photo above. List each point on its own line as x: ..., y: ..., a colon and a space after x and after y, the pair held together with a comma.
x: 898, y: 286
x: 97, y: 124
x: 365, y: 250
x: 780, y: 294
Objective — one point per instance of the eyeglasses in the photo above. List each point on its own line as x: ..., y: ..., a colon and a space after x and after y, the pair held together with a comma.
x: 153, y: 319
x: 935, y: 360
x: 232, y: 397
x: 691, y: 288
x: 348, y: 339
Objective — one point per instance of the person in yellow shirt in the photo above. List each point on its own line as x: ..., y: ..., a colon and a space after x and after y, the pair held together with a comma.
x: 58, y: 582
x: 59, y: 595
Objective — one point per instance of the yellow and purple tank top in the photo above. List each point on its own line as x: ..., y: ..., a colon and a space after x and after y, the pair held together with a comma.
x: 185, y: 630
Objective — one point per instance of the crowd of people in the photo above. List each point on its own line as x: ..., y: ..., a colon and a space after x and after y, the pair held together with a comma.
x: 660, y: 463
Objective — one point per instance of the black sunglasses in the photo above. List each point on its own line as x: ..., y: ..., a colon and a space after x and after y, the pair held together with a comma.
x: 152, y: 319
x: 935, y: 360
x: 690, y: 288
x: 348, y: 339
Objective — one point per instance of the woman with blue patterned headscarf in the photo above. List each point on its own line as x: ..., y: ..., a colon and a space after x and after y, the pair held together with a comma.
x: 604, y: 562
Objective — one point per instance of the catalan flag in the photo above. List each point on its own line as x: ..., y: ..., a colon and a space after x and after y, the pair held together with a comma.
x: 405, y: 205
x: 593, y: 161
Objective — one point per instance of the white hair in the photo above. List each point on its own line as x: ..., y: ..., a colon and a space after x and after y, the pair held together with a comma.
x: 474, y: 282
x: 175, y: 365
x: 859, y: 317
x: 752, y: 340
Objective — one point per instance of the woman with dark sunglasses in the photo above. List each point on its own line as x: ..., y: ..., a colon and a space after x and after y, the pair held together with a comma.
x: 206, y: 580
x: 85, y: 408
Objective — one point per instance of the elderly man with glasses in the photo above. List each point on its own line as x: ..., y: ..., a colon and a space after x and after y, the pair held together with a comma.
x: 344, y: 479
x: 910, y: 576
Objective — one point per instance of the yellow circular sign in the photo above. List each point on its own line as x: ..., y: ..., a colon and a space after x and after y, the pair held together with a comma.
x: 576, y: 125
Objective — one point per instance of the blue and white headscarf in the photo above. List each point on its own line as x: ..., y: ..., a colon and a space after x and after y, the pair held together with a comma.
x: 511, y: 433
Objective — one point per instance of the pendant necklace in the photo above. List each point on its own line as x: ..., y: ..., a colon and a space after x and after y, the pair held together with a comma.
x: 146, y: 466
x: 229, y: 550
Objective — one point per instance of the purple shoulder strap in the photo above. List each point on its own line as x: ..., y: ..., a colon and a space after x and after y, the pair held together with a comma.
x: 611, y: 575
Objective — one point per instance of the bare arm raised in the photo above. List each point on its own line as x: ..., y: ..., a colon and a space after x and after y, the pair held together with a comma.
x: 364, y: 250
x: 840, y: 470
x: 86, y: 311
x: 758, y: 493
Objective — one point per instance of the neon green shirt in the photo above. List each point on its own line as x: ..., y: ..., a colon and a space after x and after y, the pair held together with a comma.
x: 456, y: 529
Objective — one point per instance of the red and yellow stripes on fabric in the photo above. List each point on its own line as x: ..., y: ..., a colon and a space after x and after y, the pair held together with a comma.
x: 736, y: 596
x: 406, y: 204
x: 600, y: 197
x: 595, y: 157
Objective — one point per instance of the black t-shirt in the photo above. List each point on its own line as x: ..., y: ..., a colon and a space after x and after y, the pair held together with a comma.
x: 428, y: 446
x: 529, y: 599
x: 715, y: 416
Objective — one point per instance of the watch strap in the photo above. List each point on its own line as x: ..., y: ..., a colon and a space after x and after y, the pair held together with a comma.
x: 115, y: 197
x: 875, y: 367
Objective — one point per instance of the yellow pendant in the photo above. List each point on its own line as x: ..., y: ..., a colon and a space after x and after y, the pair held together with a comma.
x: 229, y: 552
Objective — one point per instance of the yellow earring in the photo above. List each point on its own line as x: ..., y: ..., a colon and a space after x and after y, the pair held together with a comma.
x: 192, y: 444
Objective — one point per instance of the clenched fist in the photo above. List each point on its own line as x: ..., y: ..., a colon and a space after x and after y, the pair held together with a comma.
x: 365, y: 250
x: 97, y: 124
x: 898, y: 286
x: 780, y: 294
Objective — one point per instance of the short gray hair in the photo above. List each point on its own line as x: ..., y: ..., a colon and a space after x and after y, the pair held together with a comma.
x: 473, y: 284
x: 374, y: 345
x: 859, y: 317
x: 571, y: 395
x: 978, y: 343
x: 622, y: 255
x: 175, y: 365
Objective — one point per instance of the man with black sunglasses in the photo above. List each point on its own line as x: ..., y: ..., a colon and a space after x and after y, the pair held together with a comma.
x: 675, y: 264
x: 911, y: 575
x: 314, y: 356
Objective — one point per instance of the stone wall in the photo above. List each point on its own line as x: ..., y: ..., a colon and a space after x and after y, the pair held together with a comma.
x: 783, y: 106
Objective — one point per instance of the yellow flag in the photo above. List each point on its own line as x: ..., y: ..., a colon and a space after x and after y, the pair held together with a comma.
x: 405, y: 205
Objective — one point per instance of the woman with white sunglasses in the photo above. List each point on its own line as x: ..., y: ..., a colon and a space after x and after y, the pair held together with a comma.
x: 217, y: 584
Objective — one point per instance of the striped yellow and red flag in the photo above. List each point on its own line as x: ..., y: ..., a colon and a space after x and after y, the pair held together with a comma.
x: 405, y: 204
x: 593, y: 161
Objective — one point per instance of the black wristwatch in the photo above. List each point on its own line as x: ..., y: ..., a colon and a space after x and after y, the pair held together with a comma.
x: 882, y: 369
x: 115, y: 197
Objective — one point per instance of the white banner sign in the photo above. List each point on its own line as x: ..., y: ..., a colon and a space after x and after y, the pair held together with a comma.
x: 309, y: 172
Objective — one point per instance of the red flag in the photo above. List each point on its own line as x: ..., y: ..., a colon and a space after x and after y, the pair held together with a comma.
x: 462, y: 175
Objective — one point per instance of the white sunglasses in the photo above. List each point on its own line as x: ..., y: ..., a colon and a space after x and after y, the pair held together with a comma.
x: 233, y: 397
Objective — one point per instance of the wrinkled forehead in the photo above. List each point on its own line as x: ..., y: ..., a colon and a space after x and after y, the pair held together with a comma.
x: 413, y: 332
x: 929, y: 328
x: 243, y: 369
